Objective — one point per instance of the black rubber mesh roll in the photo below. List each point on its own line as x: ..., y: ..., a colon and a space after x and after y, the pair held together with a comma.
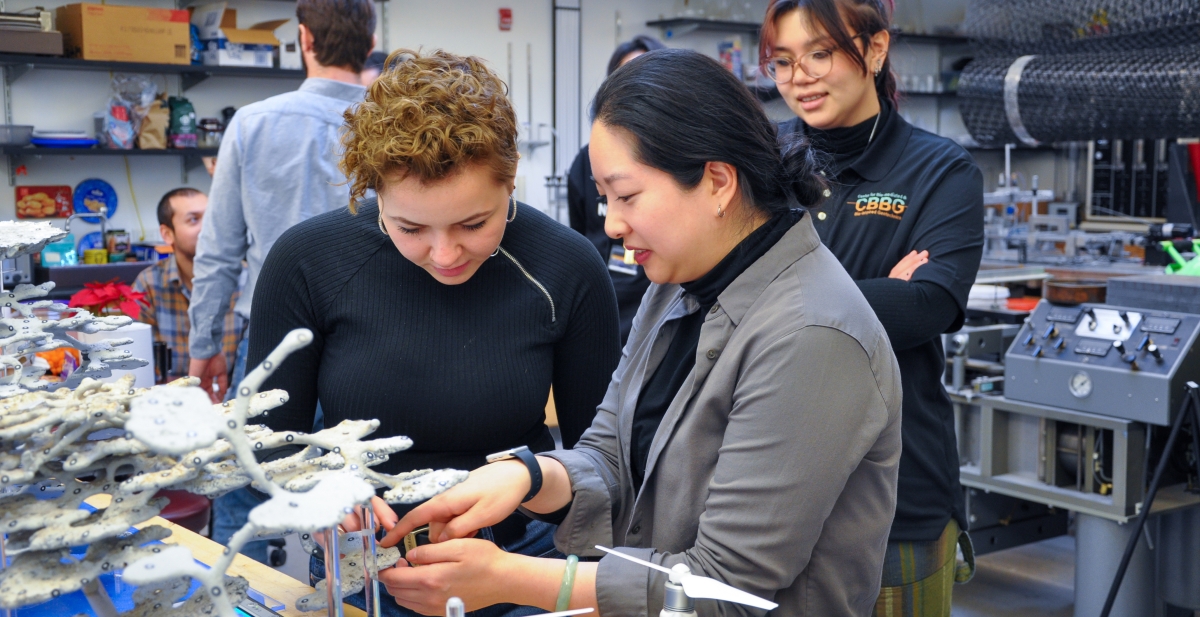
x: 1141, y: 94
x: 1019, y: 27
x: 1104, y: 69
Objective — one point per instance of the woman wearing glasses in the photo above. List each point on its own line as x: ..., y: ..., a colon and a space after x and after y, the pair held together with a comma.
x: 751, y: 431
x: 904, y: 215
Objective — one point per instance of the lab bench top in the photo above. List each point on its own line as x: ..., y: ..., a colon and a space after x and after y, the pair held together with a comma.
x: 262, y: 578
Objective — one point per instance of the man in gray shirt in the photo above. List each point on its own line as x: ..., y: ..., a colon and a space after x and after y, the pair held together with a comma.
x: 278, y: 166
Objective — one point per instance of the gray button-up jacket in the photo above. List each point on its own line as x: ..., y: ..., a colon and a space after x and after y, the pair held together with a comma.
x: 774, y: 469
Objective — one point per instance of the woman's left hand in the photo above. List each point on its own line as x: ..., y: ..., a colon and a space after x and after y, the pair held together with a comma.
x: 468, y: 569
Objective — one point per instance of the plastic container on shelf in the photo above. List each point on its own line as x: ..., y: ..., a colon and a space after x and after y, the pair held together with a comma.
x: 60, y: 253
x: 15, y: 134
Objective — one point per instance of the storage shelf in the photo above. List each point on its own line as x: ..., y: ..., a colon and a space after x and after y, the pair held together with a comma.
x: 679, y: 26
x: 22, y: 151
x: 191, y: 74
x: 188, y: 157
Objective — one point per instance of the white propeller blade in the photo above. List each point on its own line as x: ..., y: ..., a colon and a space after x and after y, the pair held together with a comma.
x: 696, y: 586
x: 634, y: 559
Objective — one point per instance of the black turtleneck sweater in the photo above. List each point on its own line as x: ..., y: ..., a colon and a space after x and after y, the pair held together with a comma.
x: 664, y: 384
x: 464, y: 370
x: 843, y: 145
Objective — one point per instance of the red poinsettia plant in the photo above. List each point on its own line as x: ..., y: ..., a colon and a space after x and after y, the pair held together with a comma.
x: 111, y: 298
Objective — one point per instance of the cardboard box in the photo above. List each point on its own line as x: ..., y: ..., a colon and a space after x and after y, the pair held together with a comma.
x: 289, y: 45
x: 125, y: 33
x: 31, y: 42
x: 224, y: 44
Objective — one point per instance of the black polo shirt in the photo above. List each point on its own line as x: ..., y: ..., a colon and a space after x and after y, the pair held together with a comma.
x: 912, y: 190
x: 587, y: 216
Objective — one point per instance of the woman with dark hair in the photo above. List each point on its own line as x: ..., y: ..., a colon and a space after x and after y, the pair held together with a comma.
x: 752, y: 429
x: 905, y: 217
x: 586, y: 210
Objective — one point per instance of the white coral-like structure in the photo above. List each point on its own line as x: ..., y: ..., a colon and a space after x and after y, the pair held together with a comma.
x: 27, y: 334
x: 130, y: 443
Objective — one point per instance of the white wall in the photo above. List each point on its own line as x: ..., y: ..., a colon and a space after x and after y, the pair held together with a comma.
x: 53, y: 99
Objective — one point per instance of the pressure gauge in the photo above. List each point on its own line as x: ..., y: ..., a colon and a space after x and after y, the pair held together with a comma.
x: 1080, y: 385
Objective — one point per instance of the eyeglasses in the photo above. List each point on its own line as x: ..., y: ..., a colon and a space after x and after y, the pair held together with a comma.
x: 815, y: 64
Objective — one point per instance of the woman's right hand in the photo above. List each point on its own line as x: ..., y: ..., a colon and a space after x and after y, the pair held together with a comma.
x: 488, y: 496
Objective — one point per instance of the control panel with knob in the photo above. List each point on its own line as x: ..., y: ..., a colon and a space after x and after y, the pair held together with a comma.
x: 1134, y: 362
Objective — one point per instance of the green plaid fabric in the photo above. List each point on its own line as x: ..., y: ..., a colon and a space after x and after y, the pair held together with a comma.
x: 919, y: 577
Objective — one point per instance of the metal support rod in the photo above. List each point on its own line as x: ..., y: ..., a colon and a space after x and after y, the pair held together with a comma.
x: 529, y: 86
x: 4, y: 537
x: 11, y: 158
x: 98, y: 599
x: 1189, y: 409
x: 333, y: 574
x: 383, y: 27
x: 370, y: 556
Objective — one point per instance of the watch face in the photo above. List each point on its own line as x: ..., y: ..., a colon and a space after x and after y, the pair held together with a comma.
x: 1080, y: 385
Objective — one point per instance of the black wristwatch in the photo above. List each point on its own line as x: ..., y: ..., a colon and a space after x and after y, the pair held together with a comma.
x: 527, y: 457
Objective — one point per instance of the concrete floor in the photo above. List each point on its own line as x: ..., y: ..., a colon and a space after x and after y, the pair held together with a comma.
x: 1035, y: 580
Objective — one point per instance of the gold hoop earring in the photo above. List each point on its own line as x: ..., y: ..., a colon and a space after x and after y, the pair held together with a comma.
x: 720, y: 212
x: 513, y: 216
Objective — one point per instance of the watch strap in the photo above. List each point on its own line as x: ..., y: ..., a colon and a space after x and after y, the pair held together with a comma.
x: 535, y: 471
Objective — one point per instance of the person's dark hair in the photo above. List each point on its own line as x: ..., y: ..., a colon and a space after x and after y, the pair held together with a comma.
x: 679, y: 130
x: 375, y: 61
x: 166, y: 212
x: 343, y: 30
x: 839, y: 18
x: 640, y: 43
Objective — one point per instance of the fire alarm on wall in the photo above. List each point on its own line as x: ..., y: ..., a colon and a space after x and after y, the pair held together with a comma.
x: 505, y: 19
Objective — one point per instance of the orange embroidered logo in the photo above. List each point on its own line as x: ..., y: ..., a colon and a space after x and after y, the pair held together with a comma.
x: 891, y: 205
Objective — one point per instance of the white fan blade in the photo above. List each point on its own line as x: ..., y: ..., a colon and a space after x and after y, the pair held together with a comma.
x: 634, y: 559
x: 578, y: 611
x: 703, y: 587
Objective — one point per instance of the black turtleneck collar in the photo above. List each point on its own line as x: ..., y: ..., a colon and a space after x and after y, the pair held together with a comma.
x: 660, y: 389
x: 844, y: 145
x: 708, y: 287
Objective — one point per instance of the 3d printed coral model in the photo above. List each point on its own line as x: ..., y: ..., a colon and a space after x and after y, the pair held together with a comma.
x: 61, y: 444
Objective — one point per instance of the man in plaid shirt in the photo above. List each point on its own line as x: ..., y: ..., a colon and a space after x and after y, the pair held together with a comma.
x: 168, y: 283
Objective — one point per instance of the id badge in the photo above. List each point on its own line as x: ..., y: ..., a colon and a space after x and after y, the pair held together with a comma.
x: 622, y: 261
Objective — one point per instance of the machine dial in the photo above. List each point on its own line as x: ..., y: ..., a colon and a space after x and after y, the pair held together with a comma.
x: 1080, y: 385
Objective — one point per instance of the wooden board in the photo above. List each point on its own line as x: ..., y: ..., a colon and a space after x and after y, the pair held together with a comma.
x: 262, y: 578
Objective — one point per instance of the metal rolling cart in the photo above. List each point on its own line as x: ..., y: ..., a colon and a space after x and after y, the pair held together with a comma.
x: 1067, y: 411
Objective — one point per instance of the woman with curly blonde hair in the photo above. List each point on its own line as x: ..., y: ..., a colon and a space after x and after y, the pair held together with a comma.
x: 443, y: 307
